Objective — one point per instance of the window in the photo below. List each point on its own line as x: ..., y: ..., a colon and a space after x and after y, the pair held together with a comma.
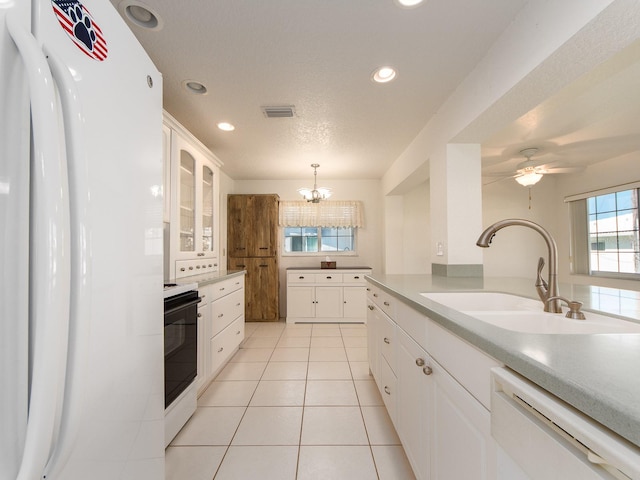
x: 605, y: 233
x: 316, y: 228
x: 319, y: 239
x: 613, y: 231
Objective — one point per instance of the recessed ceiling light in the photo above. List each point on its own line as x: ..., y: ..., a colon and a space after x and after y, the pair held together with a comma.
x: 227, y: 127
x: 141, y: 14
x: 194, y: 87
x: 409, y: 3
x: 384, y: 74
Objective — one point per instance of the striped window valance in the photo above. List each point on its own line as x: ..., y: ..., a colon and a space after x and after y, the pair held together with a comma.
x: 336, y: 214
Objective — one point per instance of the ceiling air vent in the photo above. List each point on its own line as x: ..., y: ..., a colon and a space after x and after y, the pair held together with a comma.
x: 286, y: 111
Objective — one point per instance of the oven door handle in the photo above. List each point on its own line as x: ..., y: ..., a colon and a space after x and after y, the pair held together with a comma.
x: 183, y: 305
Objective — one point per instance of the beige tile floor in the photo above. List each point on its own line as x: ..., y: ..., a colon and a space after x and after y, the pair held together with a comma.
x: 296, y: 402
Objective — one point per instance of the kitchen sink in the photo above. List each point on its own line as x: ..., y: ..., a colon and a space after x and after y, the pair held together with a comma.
x: 521, y: 314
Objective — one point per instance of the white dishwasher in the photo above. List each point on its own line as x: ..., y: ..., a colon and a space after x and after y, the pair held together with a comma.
x: 544, y: 438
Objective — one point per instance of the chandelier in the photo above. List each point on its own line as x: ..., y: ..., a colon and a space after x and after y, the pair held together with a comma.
x: 318, y: 193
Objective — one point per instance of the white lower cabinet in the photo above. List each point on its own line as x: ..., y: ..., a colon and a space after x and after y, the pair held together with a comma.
x: 461, y: 441
x: 316, y: 295
x: 220, y: 326
x: 415, y: 392
x: 444, y: 429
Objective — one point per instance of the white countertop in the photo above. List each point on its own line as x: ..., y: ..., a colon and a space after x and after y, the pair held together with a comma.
x: 596, y: 373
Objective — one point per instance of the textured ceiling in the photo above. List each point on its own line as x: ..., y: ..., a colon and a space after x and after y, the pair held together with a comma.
x: 593, y: 119
x: 317, y: 55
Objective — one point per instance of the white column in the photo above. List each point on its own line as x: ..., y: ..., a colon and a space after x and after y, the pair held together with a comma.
x: 393, y: 234
x: 456, y: 210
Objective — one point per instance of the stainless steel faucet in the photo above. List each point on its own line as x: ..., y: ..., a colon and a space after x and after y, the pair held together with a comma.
x: 547, y: 291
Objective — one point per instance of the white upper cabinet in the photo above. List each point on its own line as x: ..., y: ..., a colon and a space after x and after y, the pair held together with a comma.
x: 194, y: 205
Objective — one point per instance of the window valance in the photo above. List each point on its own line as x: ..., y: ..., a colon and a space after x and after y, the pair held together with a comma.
x: 334, y: 214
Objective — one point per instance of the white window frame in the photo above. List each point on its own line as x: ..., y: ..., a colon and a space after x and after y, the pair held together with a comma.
x: 326, y: 214
x: 320, y: 253
x: 579, y: 233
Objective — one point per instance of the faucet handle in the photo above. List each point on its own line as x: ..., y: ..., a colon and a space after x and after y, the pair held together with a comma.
x: 540, y: 282
x: 574, y: 307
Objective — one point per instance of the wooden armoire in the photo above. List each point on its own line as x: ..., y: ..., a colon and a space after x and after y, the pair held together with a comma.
x: 252, y: 245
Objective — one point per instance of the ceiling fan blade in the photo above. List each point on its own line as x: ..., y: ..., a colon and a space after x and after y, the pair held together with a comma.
x: 563, y: 170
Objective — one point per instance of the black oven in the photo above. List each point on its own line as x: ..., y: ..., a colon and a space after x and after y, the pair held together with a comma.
x: 180, y: 343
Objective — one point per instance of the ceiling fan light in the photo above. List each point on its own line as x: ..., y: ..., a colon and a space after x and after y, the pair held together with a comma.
x: 528, y: 179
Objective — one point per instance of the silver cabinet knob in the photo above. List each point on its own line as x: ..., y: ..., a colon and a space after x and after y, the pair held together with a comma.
x: 427, y: 370
x: 420, y: 362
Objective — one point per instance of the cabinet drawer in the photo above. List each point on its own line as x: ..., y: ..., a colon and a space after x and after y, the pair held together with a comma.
x: 328, y: 277
x: 226, y: 309
x: 388, y: 338
x: 385, y: 301
x: 225, y: 287
x: 388, y: 384
x: 355, y: 278
x: 186, y: 268
x: 300, y: 277
x: 225, y: 343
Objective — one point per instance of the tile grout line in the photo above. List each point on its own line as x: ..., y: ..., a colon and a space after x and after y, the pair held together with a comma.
x: 245, y: 410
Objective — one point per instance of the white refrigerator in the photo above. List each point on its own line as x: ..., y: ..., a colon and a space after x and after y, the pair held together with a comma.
x: 81, y: 310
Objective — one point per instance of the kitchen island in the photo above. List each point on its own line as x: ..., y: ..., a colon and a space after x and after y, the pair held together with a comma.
x: 595, y: 373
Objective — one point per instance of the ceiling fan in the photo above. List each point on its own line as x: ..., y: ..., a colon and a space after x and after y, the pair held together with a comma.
x: 530, y: 171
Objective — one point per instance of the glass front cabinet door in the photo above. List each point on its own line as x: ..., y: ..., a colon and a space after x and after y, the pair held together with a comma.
x: 194, y: 218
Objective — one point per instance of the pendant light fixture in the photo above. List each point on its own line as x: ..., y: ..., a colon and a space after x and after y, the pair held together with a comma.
x: 318, y: 193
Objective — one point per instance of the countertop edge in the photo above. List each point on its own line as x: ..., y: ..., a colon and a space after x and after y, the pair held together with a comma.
x: 602, y: 405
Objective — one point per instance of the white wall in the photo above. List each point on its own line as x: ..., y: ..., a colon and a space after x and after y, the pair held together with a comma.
x: 606, y: 174
x: 416, y: 235
x: 514, y: 251
x: 369, y: 240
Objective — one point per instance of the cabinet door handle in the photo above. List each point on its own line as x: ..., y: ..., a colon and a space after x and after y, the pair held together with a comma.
x: 199, y: 315
x: 371, y: 307
x: 375, y: 295
x: 301, y: 277
x: 221, y: 315
x: 386, y: 304
x: 240, y: 248
x: 221, y: 289
x: 356, y: 277
x: 387, y: 341
x: 221, y: 349
x: 420, y: 362
x: 328, y: 278
x: 427, y: 370
x: 264, y: 248
x: 387, y: 390
x: 238, y: 304
x: 238, y: 332
x: 190, y: 268
x: 264, y: 265
x: 182, y: 269
x: 368, y: 289
x: 197, y: 267
x: 241, y: 265
x: 201, y: 254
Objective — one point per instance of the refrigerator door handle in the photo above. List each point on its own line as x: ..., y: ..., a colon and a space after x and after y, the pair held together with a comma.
x: 49, y: 251
x: 80, y: 293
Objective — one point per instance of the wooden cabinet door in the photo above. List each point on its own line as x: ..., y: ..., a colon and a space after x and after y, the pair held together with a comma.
x: 236, y: 226
x: 252, y: 225
x: 261, y: 287
x: 263, y: 226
